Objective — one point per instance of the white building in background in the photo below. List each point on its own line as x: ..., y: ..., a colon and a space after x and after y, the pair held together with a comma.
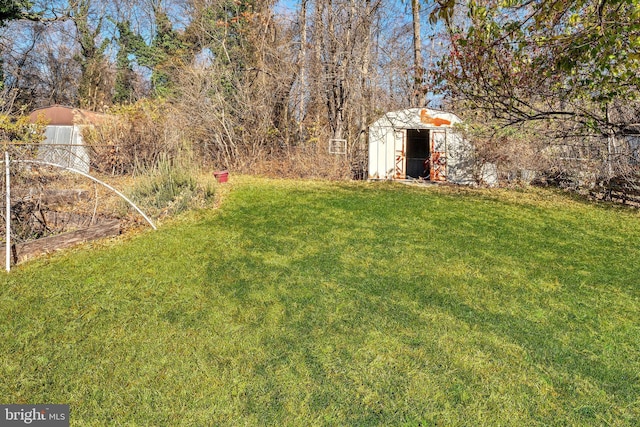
x: 64, y: 145
x: 421, y: 143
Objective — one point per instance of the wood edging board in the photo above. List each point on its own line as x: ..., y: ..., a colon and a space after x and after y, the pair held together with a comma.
x: 28, y: 250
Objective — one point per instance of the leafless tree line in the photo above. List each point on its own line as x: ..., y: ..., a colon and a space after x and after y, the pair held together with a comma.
x: 258, y: 86
x: 243, y: 80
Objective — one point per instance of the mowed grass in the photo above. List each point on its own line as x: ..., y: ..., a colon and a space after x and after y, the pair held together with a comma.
x: 311, y: 303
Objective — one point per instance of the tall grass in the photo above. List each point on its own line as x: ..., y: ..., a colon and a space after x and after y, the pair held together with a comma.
x: 309, y: 303
x: 171, y: 187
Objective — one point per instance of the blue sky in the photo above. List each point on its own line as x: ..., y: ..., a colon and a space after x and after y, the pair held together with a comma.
x: 291, y: 5
x: 286, y: 4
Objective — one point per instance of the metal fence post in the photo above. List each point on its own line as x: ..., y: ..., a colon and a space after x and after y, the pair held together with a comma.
x: 8, y: 212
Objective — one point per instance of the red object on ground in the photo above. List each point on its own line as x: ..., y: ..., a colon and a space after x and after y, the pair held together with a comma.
x: 221, y: 176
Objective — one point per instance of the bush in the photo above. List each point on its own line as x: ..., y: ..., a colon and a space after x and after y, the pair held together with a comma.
x: 307, y: 161
x: 172, y: 187
x: 133, y: 138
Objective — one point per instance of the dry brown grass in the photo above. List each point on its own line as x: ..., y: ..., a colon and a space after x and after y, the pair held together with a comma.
x: 35, y: 213
x: 305, y: 162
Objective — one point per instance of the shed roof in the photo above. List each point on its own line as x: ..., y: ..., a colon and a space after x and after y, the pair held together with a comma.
x: 60, y: 115
x: 417, y: 118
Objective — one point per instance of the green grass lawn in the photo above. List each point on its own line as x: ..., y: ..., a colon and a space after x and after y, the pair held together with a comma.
x: 311, y: 303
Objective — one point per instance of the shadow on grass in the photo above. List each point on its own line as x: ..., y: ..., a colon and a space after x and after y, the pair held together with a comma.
x: 349, y: 304
x: 346, y: 264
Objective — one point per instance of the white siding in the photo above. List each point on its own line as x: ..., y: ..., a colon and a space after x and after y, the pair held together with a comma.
x: 64, y: 146
x: 382, y: 153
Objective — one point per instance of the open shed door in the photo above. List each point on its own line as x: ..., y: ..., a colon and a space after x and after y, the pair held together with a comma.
x: 399, y: 168
x: 438, y: 155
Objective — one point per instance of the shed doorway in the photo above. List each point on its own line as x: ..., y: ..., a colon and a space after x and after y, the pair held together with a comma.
x: 418, y: 153
x: 401, y: 141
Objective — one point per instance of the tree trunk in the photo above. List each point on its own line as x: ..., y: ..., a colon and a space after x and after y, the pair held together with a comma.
x: 418, y: 76
x: 302, y: 65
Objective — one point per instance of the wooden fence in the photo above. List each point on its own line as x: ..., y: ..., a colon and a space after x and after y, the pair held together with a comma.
x: 625, y: 190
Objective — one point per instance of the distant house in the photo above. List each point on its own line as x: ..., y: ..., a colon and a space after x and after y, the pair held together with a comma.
x: 64, y: 145
x: 421, y: 143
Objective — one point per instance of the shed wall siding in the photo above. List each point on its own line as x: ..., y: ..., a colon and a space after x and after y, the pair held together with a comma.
x: 64, y: 146
x: 460, y: 159
x: 382, y: 144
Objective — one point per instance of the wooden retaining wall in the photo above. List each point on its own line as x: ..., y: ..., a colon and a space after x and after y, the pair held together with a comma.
x: 24, y: 251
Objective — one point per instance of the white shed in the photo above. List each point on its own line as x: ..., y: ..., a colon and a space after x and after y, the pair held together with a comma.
x: 63, y: 144
x: 419, y: 143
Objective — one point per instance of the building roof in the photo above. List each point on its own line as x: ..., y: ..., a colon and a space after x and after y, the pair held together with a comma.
x: 417, y: 118
x: 60, y: 115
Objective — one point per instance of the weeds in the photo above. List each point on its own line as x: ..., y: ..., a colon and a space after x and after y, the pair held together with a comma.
x: 172, y: 187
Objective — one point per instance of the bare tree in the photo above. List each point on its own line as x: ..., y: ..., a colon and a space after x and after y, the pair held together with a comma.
x: 418, y: 66
x: 342, y: 36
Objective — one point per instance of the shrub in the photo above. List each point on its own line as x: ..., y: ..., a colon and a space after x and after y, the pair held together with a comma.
x: 172, y: 187
x: 133, y: 138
